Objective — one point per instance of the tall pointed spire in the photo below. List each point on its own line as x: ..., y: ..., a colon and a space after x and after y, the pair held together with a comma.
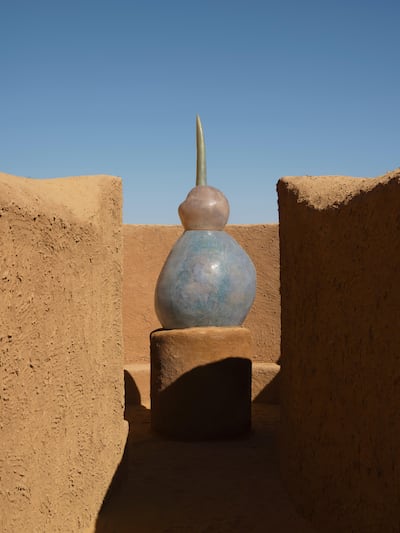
x: 201, y: 167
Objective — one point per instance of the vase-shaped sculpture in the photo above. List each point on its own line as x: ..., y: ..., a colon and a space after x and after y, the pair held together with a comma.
x: 207, y: 279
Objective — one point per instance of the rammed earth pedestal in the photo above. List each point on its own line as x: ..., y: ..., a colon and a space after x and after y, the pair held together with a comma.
x: 201, y: 382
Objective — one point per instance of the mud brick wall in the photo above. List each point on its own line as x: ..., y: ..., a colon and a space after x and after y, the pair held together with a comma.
x: 340, y: 375
x: 62, y: 431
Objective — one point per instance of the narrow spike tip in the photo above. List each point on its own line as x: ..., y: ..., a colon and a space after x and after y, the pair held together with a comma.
x: 201, y: 167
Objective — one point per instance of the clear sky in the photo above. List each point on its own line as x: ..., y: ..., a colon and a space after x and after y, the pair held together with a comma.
x: 287, y: 87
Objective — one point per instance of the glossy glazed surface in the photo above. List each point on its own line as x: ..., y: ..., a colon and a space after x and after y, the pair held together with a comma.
x: 207, y: 280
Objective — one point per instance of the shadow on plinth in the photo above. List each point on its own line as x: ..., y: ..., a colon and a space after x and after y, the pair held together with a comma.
x: 208, y: 402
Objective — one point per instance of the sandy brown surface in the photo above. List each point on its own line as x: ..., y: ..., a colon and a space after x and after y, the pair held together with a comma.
x: 61, y: 386
x: 340, y: 374
x: 200, y: 487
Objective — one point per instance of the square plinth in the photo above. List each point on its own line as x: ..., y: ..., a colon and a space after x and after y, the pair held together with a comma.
x: 201, y: 382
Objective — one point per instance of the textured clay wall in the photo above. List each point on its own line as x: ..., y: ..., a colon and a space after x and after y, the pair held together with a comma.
x: 62, y: 431
x: 146, y: 248
x: 340, y: 377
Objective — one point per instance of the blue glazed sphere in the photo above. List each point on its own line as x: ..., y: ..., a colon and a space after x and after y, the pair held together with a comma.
x: 207, y: 280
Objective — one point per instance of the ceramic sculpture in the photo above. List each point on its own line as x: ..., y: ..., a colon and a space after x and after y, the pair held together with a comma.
x: 207, y: 279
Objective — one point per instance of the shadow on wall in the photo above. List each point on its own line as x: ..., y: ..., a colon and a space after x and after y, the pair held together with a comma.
x: 132, y: 399
x: 132, y: 394
x: 270, y: 393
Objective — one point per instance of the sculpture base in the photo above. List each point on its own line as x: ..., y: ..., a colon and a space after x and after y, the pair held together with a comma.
x: 201, y: 382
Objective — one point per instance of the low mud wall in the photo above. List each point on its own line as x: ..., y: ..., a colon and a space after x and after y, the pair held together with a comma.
x: 62, y: 431
x: 146, y: 248
x: 340, y: 376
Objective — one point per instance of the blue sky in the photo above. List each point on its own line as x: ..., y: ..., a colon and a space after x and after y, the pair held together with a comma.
x: 283, y: 88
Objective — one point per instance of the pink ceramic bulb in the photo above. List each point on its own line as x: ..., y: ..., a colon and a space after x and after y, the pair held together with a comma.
x: 205, y: 207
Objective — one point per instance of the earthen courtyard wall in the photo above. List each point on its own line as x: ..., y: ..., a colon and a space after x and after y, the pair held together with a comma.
x: 340, y: 374
x: 62, y: 431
